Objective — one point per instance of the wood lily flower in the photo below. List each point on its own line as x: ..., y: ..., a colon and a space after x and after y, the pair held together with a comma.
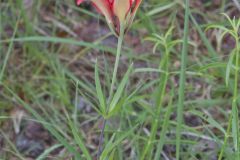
x: 118, y: 13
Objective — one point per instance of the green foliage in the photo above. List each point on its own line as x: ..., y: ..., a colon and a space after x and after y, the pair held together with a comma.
x: 232, y: 29
x: 173, y: 92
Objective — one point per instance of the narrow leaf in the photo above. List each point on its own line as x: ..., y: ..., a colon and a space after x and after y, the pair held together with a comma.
x: 100, y: 94
x: 120, y: 89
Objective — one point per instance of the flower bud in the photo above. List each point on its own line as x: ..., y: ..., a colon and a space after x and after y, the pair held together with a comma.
x: 118, y: 13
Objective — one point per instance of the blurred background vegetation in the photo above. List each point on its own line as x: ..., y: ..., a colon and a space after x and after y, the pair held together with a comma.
x: 48, y: 101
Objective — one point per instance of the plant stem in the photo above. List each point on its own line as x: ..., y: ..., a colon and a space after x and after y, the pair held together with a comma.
x: 233, y: 119
x: 235, y: 123
x: 3, y: 66
x: 164, y: 126
x: 119, y: 47
x: 101, y: 139
x: 181, y: 91
x: 114, y: 77
x: 160, y: 95
x: 226, y: 137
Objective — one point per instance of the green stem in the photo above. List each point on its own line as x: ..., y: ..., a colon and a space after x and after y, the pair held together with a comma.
x: 181, y: 91
x: 3, y: 67
x: 160, y: 95
x: 235, y: 123
x: 114, y: 77
x: 119, y: 47
x: 164, y: 126
x: 233, y: 119
x: 226, y: 137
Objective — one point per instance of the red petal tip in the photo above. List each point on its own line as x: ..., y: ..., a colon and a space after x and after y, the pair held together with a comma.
x: 79, y: 2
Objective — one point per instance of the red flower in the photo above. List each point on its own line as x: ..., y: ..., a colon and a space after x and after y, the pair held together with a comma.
x: 118, y: 13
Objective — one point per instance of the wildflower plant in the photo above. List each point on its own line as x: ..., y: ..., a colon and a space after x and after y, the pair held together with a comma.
x: 167, y: 43
x: 119, y: 15
x: 232, y: 29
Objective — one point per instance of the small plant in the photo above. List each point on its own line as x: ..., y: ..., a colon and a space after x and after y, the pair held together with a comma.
x: 232, y: 28
x: 166, y: 43
x: 119, y: 15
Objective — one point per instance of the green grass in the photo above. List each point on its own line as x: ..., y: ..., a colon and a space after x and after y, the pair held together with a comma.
x: 173, y: 92
x: 181, y: 90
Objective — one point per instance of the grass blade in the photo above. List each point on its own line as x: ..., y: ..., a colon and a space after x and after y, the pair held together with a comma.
x: 164, y: 127
x: 8, y: 52
x: 181, y: 90
x: 53, y: 131
x: 47, y: 151
x: 100, y: 94
x: 111, y: 145
x: 120, y: 89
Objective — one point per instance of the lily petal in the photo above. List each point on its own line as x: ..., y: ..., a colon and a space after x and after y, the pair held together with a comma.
x: 134, y: 8
x: 105, y: 7
x: 121, y: 8
x: 79, y: 2
x: 118, y: 13
x: 136, y: 4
